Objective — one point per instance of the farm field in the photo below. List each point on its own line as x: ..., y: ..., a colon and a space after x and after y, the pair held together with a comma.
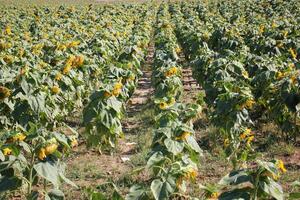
x: 150, y: 100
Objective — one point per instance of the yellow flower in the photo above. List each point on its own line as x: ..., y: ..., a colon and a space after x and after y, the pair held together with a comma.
x: 246, y: 133
x: 7, y: 151
x: 245, y: 74
x: 18, y: 137
x: 50, y: 148
x: 61, y: 47
x: 67, y: 68
x: 183, y: 136
x: 280, y: 75
x: 293, y: 79
x: 249, y: 103
x: 191, y: 174
x: 55, y: 89
x: 118, y: 85
x: 4, y: 92
x: 41, y: 154
x: 74, y: 143
x: 163, y: 105
x: 58, y: 76
x: 274, y: 25
x: 291, y: 66
x: 7, y: 30
x: 79, y: 60
x: 171, y: 71
x: 280, y: 165
x: 279, y: 45
x: 21, y: 52
x: 293, y: 53
x: 214, y: 196
x: 226, y: 142
x: 261, y: 29
x: 285, y: 33
x: 71, y: 60
x: 117, y: 89
x: 8, y: 59
x: 73, y: 44
x: 250, y: 139
x: 178, y: 50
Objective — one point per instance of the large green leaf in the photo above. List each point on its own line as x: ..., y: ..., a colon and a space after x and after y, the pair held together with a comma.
x: 161, y: 190
x: 174, y: 146
x: 272, y: 188
x: 49, y: 171
x: 235, y: 178
x: 137, y: 192
x: 9, y: 183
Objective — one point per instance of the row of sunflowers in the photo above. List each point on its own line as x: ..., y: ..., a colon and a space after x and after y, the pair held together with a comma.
x: 58, y: 62
x: 248, y: 67
x: 174, y: 155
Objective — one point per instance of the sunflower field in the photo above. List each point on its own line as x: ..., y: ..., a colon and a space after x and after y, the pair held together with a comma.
x: 150, y: 100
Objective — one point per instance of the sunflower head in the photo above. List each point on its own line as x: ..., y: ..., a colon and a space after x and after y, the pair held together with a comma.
x: 280, y: 166
x: 7, y: 151
x: 4, y: 92
x: 55, y: 89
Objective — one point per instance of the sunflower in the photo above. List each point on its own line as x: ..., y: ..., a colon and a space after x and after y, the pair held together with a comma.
x: 74, y: 142
x: 58, y: 76
x: 78, y: 61
x: 55, y: 89
x: 8, y: 59
x: 246, y: 133
x: 163, y: 105
x: 73, y: 44
x: 41, y: 154
x: 280, y: 166
x: 51, y: 148
x: 183, y: 136
x: 293, y: 53
x: 226, y: 142
x: 261, y: 28
x: 250, y: 139
x: 7, y: 151
x: 7, y: 30
x: 4, y: 92
x: 191, y: 173
x: 18, y: 137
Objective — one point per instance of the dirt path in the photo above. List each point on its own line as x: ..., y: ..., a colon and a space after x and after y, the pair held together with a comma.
x: 190, y: 85
x: 141, y: 96
x: 88, y: 168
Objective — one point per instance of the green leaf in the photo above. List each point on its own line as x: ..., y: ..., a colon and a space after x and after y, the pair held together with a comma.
x: 155, y: 159
x: 294, y: 195
x: 235, y: 178
x: 114, y: 103
x: 9, y: 183
x: 49, y: 171
x: 56, y: 194
x: 193, y: 144
x: 237, y: 194
x: 162, y: 190
x: 137, y: 192
x: 174, y: 146
x: 272, y: 188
